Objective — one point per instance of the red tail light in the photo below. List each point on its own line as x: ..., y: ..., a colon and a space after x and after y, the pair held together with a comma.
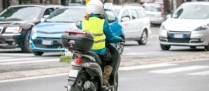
x: 161, y: 10
x: 75, y: 32
x: 78, y: 61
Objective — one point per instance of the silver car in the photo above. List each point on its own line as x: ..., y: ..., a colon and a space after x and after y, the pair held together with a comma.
x: 188, y: 26
x: 135, y: 22
x: 155, y: 12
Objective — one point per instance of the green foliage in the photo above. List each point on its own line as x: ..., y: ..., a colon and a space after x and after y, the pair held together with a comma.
x: 64, y: 58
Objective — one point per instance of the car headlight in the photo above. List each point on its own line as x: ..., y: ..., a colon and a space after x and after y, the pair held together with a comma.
x: 13, y: 29
x: 34, y: 33
x: 163, y: 28
x: 204, y: 27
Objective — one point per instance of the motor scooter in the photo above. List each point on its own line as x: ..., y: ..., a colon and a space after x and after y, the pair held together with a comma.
x: 86, y: 71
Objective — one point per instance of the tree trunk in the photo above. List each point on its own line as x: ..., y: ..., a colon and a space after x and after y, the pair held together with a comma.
x: 1, y: 5
x: 14, y: 2
x: 116, y: 1
x: 35, y: 1
x: 179, y: 2
x: 55, y: 1
x: 108, y: 1
x: 166, y: 7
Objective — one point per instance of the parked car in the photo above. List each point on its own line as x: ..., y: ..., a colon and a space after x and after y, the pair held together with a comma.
x: 155, y: 12
x: 17, y: 21
x: 134, y: 21
x: 188, y: 26
x: 159, y: 2
x: 46, y: 36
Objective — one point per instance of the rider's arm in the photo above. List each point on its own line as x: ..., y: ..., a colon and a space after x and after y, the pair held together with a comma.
x: 109, y: 35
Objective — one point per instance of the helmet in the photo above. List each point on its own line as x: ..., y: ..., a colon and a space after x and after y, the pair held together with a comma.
x: 95, y: 7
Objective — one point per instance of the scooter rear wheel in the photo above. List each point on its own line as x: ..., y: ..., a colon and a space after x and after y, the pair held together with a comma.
x: 116, y: 87
x: 82, y: 81
x: 79, y: 84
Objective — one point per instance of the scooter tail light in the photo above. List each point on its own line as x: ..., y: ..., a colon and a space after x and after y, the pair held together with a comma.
x: 162, y: 10
x: 76, y: 32
x: 78, y: 61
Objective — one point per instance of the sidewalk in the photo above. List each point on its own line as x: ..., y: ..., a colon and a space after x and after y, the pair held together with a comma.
x: 64, y: 67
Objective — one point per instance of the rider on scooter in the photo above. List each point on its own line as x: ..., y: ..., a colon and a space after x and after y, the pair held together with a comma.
x: 99, y: 27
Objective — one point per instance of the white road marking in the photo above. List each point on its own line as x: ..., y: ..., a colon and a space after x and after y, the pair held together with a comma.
x: 200, y: 73
x: 19, y: 59
x: 146, y: 66
x: 179, y: 69
x: 4, y: 58
x: 17, y: 54
x: 36, y: 61
x: 143, y: 53
x: 30, y: 78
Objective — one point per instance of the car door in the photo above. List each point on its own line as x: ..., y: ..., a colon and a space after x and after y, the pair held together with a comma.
x: 144, y: 20
x: 125, y: 20
x: 136, y: 24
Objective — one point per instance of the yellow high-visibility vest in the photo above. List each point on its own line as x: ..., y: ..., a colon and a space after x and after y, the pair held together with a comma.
x: 95, y: 26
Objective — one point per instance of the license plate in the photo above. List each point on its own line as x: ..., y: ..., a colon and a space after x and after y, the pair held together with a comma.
x: 47, y: 42
x: 73, y: 73
x: 178, y: 36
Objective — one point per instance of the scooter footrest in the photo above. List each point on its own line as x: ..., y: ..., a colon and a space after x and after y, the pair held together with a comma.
x: 105, y: 88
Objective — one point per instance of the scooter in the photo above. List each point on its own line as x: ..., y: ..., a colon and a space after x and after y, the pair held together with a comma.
x: 86, y: 67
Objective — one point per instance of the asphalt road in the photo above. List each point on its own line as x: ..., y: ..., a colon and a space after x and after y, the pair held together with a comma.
x: 14, y: 60
x: 188, y: 76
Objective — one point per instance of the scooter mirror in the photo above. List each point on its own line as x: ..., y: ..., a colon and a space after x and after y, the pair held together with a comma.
x: 78, y: 23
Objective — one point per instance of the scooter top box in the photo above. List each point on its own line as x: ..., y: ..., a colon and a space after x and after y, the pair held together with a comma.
x: 77, y: 40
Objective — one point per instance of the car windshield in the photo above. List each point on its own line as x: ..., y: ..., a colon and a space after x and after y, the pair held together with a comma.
x: 67, y: 15
x: 22, y: 13
x: 192, y: 12
x: 152, y: 8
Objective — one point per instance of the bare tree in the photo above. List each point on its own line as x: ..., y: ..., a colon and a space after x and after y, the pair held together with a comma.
x: 1, y: 5
x: 109, y: 1
x: 179, y: 2
x: 14, y: 2
x: 35, y: 1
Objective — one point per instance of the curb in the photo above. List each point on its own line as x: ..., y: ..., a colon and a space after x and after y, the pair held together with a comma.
x: 131, y: 62
x: 32, y: 73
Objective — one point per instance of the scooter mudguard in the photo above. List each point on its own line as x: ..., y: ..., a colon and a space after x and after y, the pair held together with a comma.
x: 92, y: 68
x: 73, y: 73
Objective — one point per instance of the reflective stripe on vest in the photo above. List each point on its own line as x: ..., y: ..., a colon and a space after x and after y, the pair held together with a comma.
x: 95, y: 26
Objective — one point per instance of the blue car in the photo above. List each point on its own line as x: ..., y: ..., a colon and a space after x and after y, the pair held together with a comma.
x: 46, y: 36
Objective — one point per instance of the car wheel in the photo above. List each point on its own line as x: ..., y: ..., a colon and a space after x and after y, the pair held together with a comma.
x: 143, y: 39
x: 25, y: 47
x: 36, y: 53
x: 165, y: 47
x: 207, y: 48
x: 193, y: 47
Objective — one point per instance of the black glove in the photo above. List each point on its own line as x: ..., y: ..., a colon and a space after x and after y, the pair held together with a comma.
x: 122, y: 40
